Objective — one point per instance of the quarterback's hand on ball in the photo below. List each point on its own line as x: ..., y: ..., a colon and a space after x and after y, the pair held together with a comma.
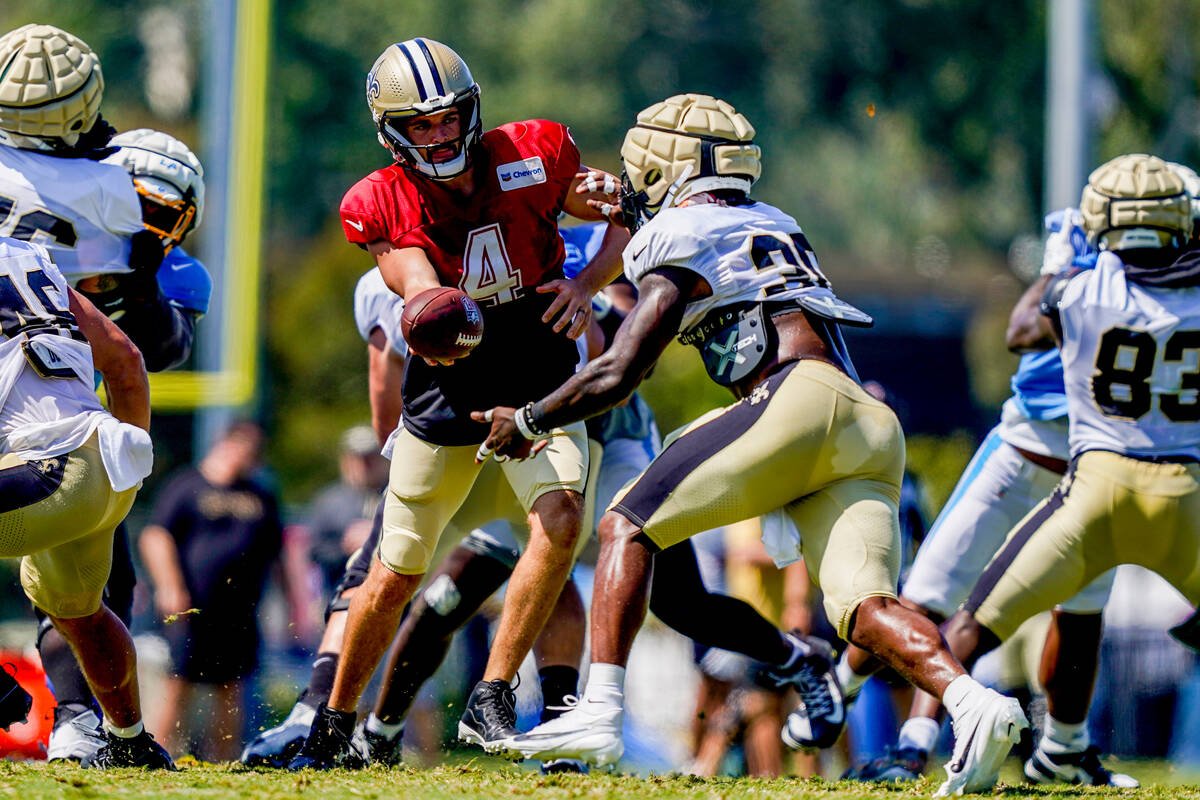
x: 572, y: 306
x: 505, y: 440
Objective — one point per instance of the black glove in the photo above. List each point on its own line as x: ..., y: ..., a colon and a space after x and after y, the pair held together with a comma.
x: 145, y: 257
x: 93, y: 143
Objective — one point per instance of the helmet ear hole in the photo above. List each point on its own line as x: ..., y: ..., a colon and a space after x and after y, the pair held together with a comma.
x: 653, y: 176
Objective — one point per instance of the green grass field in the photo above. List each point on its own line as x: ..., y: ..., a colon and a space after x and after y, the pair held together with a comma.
x: 32, y: 781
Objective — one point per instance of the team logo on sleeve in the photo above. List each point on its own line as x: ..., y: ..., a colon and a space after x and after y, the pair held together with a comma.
x: 518, y: 174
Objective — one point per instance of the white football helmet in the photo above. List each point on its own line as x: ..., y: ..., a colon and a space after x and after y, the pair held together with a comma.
x: 687, y: 144
x: 169, y: 180
x: 418, y: 77
x: 1136, y: 201
x: 50, y: 88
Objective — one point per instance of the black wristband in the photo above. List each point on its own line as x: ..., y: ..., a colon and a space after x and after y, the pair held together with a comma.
x: 533, y: 422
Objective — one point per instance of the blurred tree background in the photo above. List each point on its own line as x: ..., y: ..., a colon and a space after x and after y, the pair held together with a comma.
x: 905, y: 135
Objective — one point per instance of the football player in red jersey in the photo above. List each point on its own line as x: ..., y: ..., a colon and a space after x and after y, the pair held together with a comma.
x: 478, y: 211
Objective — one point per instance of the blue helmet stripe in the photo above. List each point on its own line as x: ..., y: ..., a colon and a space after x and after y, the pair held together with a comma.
x: 433, y: 70
x: 416, y: 72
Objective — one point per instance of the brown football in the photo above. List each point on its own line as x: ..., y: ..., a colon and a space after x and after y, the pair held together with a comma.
x: 442, y: 324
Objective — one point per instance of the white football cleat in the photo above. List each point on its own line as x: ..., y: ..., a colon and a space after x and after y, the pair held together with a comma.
x: 983, y: 735
x: 1074, y: 766
x: 76, y: 738
x: 589, y: 732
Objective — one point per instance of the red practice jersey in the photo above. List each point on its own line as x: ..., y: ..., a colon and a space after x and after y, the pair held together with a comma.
x: 500, y: 243
x: 496, y: 246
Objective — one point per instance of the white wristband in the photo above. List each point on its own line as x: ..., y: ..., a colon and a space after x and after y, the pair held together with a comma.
x: 523, y: 425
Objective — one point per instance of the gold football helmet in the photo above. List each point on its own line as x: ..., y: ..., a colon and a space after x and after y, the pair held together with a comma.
x: 686, y: 144
x: 169, y: 181
x: 1136, y: 201
x: 1191, y: 182
x: 418, y: 77
x: 50, y: 88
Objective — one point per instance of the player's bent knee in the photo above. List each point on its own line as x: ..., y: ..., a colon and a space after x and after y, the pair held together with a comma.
x: 404, y: 552
x: 560, y: 516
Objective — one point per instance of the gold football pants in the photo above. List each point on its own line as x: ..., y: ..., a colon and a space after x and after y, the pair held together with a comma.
x: 1109, y: 509
x: 60, y: 514
x: 808, y: 439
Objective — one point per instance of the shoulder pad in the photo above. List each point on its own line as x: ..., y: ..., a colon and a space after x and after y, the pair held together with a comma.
x: 184, y: 281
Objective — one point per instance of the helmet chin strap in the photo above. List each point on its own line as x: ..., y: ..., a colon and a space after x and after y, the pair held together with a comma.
x: 712, y: 184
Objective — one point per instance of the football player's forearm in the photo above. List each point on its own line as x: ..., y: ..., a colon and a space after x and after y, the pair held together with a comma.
x: 605, y: 267
x: 612, y: 377
x: 601, y: 385
x: 118, y: 361
x: 1026, y: 330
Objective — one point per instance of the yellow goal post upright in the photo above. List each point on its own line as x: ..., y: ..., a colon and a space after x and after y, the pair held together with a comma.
x: 234, y: 126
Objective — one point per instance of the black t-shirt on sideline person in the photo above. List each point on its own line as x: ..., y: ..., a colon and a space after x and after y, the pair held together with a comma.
x: 227, y: 537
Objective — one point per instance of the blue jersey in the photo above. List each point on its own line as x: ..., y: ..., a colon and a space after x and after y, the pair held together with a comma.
x: 632, y: 420
x: 581, y: 244
x: 1037, y: 384
x: 184, y: 281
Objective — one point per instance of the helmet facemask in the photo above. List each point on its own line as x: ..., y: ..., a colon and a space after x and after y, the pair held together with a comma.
x: 171, y: 217
x: 420, y: 157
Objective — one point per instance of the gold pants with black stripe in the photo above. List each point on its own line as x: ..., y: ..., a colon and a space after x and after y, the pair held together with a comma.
x: 1108, y: 510
x: 60, y: 514
x: 808, y: 439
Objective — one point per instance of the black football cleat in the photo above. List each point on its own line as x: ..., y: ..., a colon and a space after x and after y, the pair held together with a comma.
x: 381, y: 750
x: 819, y: 719
x: 899, y: 765
x: 490, y: 718
x: 137, y: 751
x: 15, y: 702
x: 330, y: 743
x: 276, y: 747
x: 1077, y: 767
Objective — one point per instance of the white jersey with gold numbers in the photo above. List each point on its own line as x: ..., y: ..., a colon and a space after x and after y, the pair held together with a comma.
x: 746, y: 253
x: 1131, y: 364
x: 47, y: 405
x: 82, y: 211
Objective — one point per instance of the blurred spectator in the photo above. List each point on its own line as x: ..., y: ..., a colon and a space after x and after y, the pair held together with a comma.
x: 340, y: 517
x: 212, y: 537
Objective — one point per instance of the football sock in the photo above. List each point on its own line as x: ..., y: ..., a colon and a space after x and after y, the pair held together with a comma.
x: 320, y: 684
x: 558, y: 681
x: 851, y: 681
x: 66, y: 678
x: 124, y: 733
x: 1062, y: 737
x: 679, y: 598
x: 606, y: 684
x: 388, y: 731
x: 919, y: 733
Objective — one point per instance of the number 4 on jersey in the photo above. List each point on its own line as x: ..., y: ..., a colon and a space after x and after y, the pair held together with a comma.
x: 488, y: 276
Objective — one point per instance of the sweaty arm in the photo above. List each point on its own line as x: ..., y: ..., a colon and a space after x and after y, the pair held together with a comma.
x: 385, y: 374
x: 118, y: 360
x: 407, y: 271
x: 612, y: 377
x: 1028, y: 329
